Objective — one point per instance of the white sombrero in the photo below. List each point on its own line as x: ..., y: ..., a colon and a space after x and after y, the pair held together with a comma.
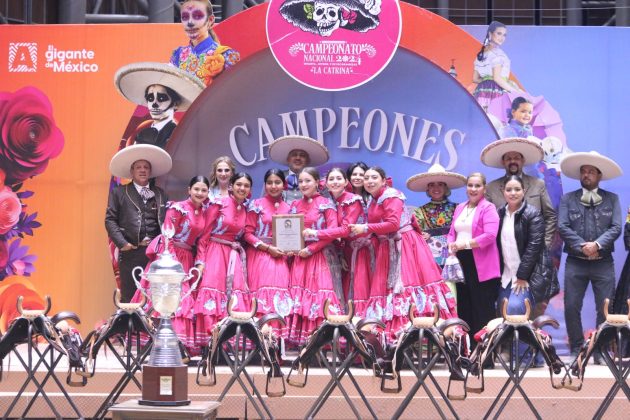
x: 160, y: 160
x: 133, y: 79
x: 436, y: 173
x: 492, y: 154
x: 571, y: 164
x: 279, y: 149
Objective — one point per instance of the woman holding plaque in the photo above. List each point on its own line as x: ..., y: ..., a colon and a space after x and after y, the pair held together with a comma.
x: 358, y: 251
x: 221, y: 258
x: 316, y: 272
x: 406, y: 272
x: 186, y: 218
x: 267, y: 265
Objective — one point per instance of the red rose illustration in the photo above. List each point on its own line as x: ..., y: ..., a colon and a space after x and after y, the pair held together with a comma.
x: 28, y: 134
x: 4, y: 255
x: 10, y: 209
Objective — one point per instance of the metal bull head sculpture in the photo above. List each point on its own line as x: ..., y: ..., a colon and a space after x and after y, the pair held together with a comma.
x: 615, y: 327
x: 34, y: 324
x: 501, y: 331
x: 256, y: 331
x: 127, y: 315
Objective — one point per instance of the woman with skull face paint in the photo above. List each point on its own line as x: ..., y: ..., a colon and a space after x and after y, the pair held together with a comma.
x: 162, y: 103
x: 187, y: 220
x: 222, y: 258
x: 203, y: 56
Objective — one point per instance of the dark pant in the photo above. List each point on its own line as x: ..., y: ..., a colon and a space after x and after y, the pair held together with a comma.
x: 577, y: 274
x: 127, y: 261
x: 475, y: 299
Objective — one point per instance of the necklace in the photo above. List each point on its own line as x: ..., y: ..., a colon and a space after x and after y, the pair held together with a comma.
x: 469, y: 210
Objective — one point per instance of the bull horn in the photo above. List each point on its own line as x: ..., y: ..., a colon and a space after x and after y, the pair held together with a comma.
x: 544, y: 320
x: 412, y: 311
x: 242, y: 315
x: 424, y: 321
x: 32, y: 313
x: 129, y: 306
x: 606, y: 303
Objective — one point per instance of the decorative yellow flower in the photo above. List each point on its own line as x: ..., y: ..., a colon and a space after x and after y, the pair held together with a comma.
x: 214, y: 64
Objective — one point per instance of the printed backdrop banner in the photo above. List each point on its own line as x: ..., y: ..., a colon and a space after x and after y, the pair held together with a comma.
x: 417, y: 111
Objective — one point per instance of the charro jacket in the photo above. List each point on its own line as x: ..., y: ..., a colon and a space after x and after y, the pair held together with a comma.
x: 535, y: 194
x: 574, y: 216
x: 529, y: 231
x: 129, y: 220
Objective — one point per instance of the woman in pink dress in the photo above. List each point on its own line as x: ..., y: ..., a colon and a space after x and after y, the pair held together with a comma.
x: 222, y: 258
x: 187, y: 220
x: 316, y: 272
x: 358, y: 251
x: 406, y: 272
x: 267, y: 265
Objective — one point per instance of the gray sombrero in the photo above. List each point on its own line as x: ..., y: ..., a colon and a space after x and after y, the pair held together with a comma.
x: 492, y: 154
x: 279, y: 149
x: 160, y: 160
x: 436, y: 173
x: 571, y: 164
x: 133, y: 79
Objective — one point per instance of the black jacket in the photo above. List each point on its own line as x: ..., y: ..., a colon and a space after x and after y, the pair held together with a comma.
x: 529, y: 229
x: 129, y: 219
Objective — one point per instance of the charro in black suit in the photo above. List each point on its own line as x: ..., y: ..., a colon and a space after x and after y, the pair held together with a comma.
x: 128, y: 219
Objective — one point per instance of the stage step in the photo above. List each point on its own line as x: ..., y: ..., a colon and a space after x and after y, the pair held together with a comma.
x: 551, y: 403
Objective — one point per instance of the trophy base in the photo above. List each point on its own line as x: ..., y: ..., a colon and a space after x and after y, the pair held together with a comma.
x: 164, y: 385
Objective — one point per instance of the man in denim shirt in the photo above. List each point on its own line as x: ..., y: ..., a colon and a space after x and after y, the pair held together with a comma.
x: 589, y: 223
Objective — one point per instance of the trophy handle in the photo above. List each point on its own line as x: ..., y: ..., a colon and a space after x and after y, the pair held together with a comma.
x: 137, y: 281
x: 193, y: 287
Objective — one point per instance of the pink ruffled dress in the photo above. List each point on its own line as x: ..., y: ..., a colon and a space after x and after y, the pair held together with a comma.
x: 358, y: 251
x: 224, y: 272
x: 317, y: 277
x: 188, y: 223
x: 268, y: 277
x: 406, y: 272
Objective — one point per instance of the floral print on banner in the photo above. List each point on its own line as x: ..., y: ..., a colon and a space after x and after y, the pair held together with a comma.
x: 29, y: 138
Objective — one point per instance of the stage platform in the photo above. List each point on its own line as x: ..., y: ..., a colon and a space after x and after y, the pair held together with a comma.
x: 551, y: 403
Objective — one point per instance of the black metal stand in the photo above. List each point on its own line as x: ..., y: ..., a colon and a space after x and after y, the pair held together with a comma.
x: 422, y: 370
x: 338, y: 368
x: 237, y: 364
x: 35, y: 359
x: 619, y: 371
x: 515, y: 377
x: 130, y: 361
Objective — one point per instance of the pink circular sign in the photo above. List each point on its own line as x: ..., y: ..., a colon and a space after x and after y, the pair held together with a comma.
x: 333, y: 44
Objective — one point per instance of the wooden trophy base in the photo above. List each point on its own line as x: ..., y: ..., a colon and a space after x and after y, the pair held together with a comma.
x: 164, y: 385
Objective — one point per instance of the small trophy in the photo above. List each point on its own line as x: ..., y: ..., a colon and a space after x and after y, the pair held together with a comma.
x: 165, y: 377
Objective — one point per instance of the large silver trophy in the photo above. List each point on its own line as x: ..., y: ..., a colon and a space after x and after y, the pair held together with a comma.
x: 165, y: 377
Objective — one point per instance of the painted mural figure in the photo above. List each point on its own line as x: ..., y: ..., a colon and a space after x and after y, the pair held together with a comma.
x: 135, y: 211
x: 187, y: 220
x: 267, y: 266
x: 324, y: 17
x: 221, y: 258
x: 204, y: 56
x: 406, y: 272
x: 589, y: 223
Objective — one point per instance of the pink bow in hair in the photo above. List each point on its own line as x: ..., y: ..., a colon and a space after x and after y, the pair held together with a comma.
x: 348, y: 15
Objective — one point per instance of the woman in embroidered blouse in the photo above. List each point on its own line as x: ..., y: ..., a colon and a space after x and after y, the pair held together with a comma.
x: 203, y: 56
x: 222, y: 258
x: 187, y: 220
x: 267, y: 266
x: 358, y: 251
x: 315, y: 272
x: 406, y: 272
x: 492, y: 67
x: 222, y: 170
x: 472, y: 237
